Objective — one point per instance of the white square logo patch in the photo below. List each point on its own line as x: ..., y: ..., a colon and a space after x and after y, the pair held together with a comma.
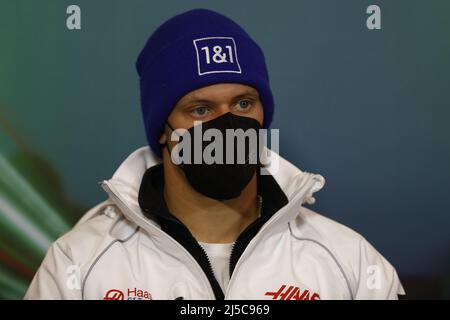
x: 216, y: 54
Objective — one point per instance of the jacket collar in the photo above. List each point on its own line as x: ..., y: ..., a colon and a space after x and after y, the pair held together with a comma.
x: 123, y: 188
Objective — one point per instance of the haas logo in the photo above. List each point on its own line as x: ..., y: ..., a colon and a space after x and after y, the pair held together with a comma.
x: 113, y: 294
x: 131, y: 294
x: 293, y: 293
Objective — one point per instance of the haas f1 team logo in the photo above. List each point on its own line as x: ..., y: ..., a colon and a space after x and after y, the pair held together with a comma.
x: 113, y: 294
x: 293, y: 293
x: 132, y: 294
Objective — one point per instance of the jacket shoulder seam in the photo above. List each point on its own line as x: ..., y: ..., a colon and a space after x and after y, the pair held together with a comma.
x: 341, y: 269
x: 99, y: 256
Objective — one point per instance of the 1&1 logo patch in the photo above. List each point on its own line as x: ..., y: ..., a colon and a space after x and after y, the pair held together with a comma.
x: 216, y: 54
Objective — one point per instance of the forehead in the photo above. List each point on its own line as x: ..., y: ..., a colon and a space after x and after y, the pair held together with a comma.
x: 221, y: 91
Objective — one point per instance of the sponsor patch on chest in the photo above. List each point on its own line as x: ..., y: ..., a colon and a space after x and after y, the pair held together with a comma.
x: 128, y: 294
x: 286, y: 292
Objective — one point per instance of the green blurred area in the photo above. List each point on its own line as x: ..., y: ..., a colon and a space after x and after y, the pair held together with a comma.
x: 34, y: 211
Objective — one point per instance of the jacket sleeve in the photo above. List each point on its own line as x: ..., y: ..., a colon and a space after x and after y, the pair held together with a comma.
x: 57, y: 278
x: 376, y: 277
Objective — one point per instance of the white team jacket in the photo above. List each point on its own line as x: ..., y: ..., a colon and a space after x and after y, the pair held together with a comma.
x: 115, y: 252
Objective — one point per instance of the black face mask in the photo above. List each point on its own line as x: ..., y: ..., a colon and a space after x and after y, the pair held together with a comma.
x: 225, y: 180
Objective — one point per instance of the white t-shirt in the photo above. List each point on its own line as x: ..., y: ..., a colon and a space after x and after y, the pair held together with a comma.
x: 219, y: 256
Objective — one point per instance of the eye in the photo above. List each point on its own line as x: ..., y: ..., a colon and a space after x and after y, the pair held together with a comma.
x: 243, y: 105
x: 199, y: 112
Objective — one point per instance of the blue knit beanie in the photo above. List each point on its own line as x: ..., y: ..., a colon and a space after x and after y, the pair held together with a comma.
x: 191, y: 50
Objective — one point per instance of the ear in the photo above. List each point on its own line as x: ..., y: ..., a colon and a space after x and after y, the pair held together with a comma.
x: 163, y: 138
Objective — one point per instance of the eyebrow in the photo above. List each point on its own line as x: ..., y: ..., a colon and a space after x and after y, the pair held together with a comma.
x: 196, y: 99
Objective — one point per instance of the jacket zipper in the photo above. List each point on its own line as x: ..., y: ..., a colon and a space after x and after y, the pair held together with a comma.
x: 237, y: 244
x: 264, y: 227
x: 192, y: 244
x: 221, y: 295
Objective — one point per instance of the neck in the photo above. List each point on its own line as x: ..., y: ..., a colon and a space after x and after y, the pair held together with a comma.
x: 209, y: 220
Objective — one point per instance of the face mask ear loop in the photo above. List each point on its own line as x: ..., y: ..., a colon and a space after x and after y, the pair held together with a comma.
x: 168, y: 124
x: 173, y: 130
x: 166, y: 144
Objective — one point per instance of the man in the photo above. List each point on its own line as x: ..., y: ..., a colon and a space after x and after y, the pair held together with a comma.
x: 176, y: 228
